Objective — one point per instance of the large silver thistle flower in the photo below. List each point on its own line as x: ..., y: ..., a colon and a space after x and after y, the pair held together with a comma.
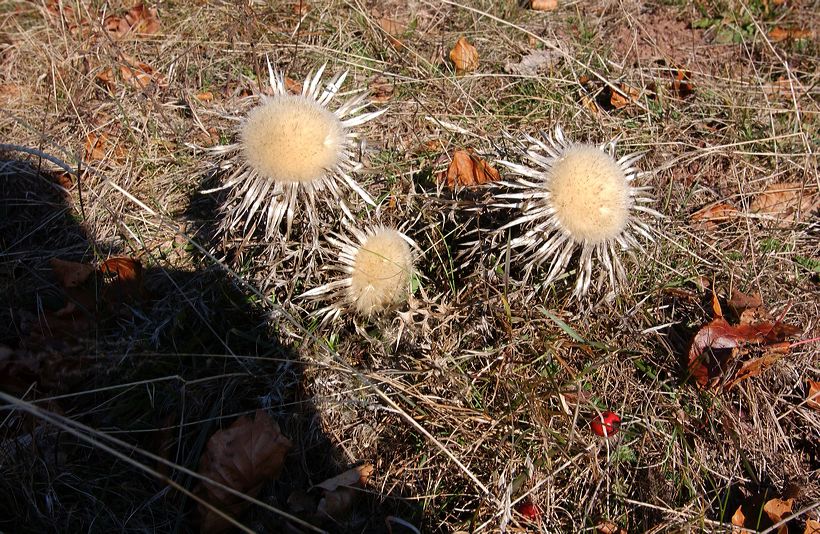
x: 576, y: 197
x: 294, y: 147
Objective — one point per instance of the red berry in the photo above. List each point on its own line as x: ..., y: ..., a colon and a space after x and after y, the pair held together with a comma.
x: 528, y: 510
x: 606, y: 424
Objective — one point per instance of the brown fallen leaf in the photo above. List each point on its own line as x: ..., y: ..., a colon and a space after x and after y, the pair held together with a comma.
x: 137, y: 20
x: 292, y: 86
x: 381, y: 90
x: 756, y: 366
x: 786, y: 202
x: 122, y: 278
x: 98, y: 147
x: 543, y: 5
x: 242, y: 457
x: 740, y: 302
x: 778, y: 34
x: 630, y: 95
x: 464, y: 56
x: 708, y: 217
x: 682, y: 84
x: 750, y: 514
x: 70, y: 274
x: 706, y: 367
x: 813, y: 395
x: 812, y: 527
x: 205, y: 96
x: 777, y: 509
x: 394, y: 29
x: 467, y: 169
x: 340, y: 494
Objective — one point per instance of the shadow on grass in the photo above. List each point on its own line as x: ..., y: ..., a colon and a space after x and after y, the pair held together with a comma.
x: 162, y: 374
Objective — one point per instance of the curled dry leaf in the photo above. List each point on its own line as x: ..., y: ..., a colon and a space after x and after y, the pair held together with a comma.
x: 464, y: 56
x: 339, y: 494
x: 242, y: 457
x: 139, y: 20
x: 786, y: 202
x: 706, y: 367
x: 626, y: 96
x: 778, y: 34
x: 813, y: 396
x: 98, y: 147
x: 750, y: 516
x: 467, y: 169
x: 708, y: 217
x: 682, y: 85
x: 393, y: 29
x: 543, y: 5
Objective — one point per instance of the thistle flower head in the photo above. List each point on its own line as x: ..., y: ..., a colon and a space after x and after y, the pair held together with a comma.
x: 376, y: 267
x: 291, y: 139
x: 292, y: 150
x: 577, y: 197
x: 590, y: 194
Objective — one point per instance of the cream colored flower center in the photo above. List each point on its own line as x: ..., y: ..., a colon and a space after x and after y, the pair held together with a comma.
x: 292, y: 139
x: 590, y: 194
x: 381, y: 272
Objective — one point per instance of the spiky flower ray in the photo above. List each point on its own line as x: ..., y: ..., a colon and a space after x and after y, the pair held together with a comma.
x: 576, y: 198
x: 267, y: 188
x: 373, y: 273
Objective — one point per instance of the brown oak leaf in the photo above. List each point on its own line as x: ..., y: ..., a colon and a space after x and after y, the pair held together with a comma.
x: 242, y: 457
x: 468, y: 169
x: 464, y: 56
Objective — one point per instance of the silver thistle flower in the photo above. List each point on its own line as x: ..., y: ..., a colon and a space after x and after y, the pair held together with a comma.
x: 294, y: 147
x: 576, y: 196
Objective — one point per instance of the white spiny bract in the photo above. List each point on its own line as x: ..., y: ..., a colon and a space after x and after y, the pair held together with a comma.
x: 375, y: 267
x: 575, y: 196
x: 292, y: 148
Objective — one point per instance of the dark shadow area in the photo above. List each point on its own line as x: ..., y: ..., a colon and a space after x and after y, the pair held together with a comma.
x: 162, y: 367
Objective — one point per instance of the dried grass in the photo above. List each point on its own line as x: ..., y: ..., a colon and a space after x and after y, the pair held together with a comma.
x: 477, y: 398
